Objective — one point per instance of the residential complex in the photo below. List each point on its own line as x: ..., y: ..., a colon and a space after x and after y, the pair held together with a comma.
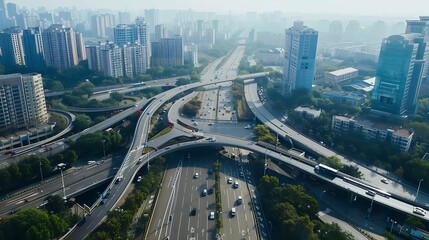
x: 397, y: 135
x: 12, y: 52
x: 168, y: 52
x: 300, y: 55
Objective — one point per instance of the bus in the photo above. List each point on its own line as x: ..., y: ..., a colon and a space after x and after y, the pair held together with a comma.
x: 325, y: 170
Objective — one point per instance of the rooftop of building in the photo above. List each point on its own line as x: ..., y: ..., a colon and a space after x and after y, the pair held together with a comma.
x: 397, y: 129
x: 343, y: 71
x: 346, y: 94
x: 366, y: 85
x: 22, y: 132
x: 308, y: 109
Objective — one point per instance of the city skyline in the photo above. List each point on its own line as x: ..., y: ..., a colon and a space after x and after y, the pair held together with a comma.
x: 365, y: 7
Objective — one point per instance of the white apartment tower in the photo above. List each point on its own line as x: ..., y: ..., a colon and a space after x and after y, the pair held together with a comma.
x: 22, y: 101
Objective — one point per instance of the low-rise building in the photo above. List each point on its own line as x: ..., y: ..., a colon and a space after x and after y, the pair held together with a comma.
x: 341, y: 75
x: 24, y: 137
x: 397, y: 135
x: 271, y: 56
x: 308, y: 111
x: 343, y: 97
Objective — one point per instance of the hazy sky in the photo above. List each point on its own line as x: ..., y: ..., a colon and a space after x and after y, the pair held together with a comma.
x: 361, y: 7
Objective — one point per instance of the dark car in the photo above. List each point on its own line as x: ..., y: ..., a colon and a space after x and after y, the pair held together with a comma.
x: 211, y: 190
x: 193, y: 212
x: 210, y: 171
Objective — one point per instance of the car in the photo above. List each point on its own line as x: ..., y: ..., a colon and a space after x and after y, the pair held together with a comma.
x: 235, y: 184
x: 119, y: 179
x: 210, y: 124
x: 239, y: 199
x: 371, y: 193
x: 419, y: 211
x: 212, y: 216
x: 247, y: 127
x: 210, y: 172
x: 139, y: 179
x: 195, y: 175
x: 229, y: 181
x: 233, y: 212
x: 241, y: 174
x: 384, y: 180
x: 204, y: 193
x: 211, y: 190
x: 193, y: 212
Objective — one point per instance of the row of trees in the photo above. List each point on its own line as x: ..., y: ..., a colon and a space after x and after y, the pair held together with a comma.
x: 293, y: 213
x: 118, y: 223
x: 336, y: 163
x: 39, y: 224
x: 27, y: 171
x: 93, y: 142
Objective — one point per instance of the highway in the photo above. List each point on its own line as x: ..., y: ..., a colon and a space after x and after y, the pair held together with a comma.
x: 182, y: 193
x: 369, y: 176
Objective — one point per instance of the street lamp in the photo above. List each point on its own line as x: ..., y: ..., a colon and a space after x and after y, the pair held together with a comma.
x: 265, y: 161
x: 391, y: 227
x: 41, y: 173
x: 418, y: 188
x: 104, y: 152
x: 61, y: 166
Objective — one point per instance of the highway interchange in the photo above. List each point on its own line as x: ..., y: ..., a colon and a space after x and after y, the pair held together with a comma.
x: 129, y: 166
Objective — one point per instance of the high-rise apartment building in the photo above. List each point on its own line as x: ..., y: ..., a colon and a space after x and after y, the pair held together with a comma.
x: 12, y: 52
x: 33, y: 49
x: 168, y: 52
x: 12, y: 10
x: 152, y: 18
x: 300, y: 56
x: 22, y: 101
x: 421, y: 26
x: 60, y: 47
x: 102, y: 23
x: 399, y: 74
x: 160, y: 32
x: 111, y: 60
x: 3, y: 12
x: 126, y: 34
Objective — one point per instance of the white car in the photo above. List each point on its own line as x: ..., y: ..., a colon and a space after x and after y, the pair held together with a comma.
x: 247, y: 127
x: 235, y: 184
x: 420, y: 211
x: 229, y: 181
x: 384, y: 181
x: 212, y: 216
x: 139, y: 179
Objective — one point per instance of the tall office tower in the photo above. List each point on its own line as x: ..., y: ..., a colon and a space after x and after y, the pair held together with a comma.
x: 11, y: 48
x: 12, y: 10
x: 160, y: 32
x: 102, y: 23
x: 111, y: 61
x: 352, y: 31
x: 300, y: 56
x: 399, y: 74
x: 421, y: 26
x: 80, y: 47
x: 22, y: 101
x: 59, y: 46
x: 336, y: 31
x: 46, y: 19
x: 152, y: 18
x: 33, y: 49
x: 124, y: 18
x: 3, y: 12
x: 168, y: 52
x: 124, y: 34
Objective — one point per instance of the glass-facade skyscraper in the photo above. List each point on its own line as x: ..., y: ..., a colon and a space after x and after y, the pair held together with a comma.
x: 399, y: 74
x: 300, y: 56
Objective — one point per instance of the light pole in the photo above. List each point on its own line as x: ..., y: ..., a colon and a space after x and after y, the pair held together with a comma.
x: 11, y: 142
x: 391, y: 227
x: 104, y: 152
x: 265, y: 161
x: 370, y: 208
x: 418, y: 188
x: 41, y: 172
x: 61, y: 166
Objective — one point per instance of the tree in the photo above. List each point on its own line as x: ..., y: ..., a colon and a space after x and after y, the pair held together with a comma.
x: 352, y: 171
x: 332, y: 161
x: 70, y: 157
x: 56, y: 86
x: 117, y: 96
x: 55, y: 204
x: 81, y: 122
x: 86, y: 87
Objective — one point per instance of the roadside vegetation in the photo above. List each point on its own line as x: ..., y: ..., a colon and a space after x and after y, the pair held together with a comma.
x: 243, y: 111
x: 50, y: 222
x: 191, y: 108
x: 219, y: 223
